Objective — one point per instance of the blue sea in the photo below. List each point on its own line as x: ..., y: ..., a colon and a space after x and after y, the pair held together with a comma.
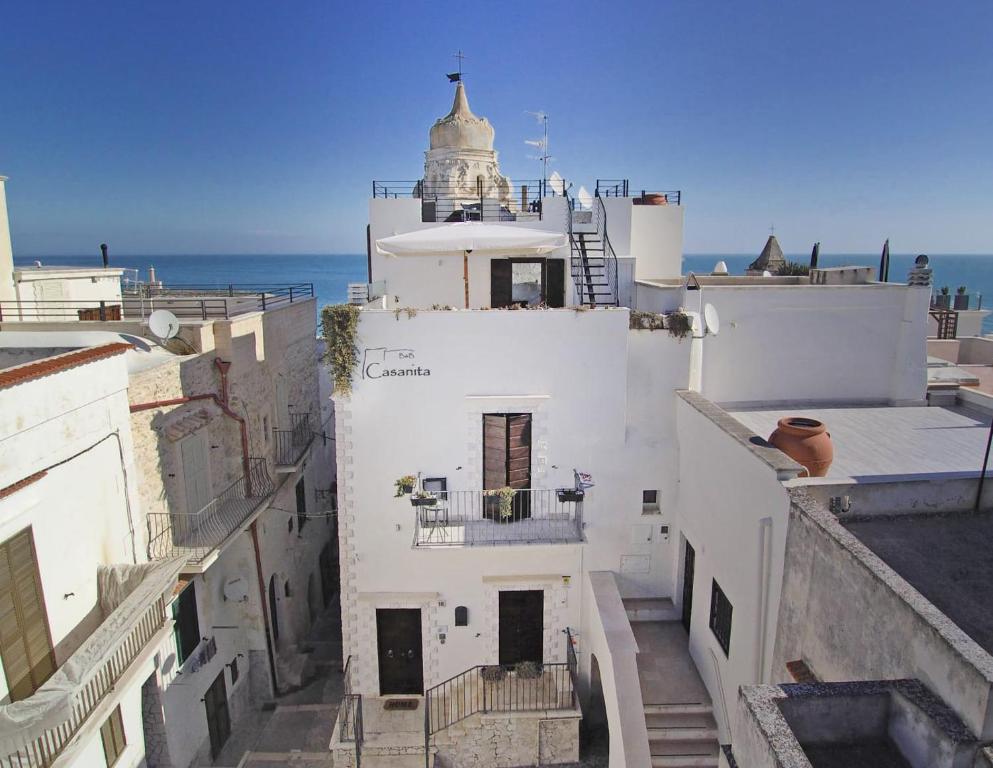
x: 331, y: 274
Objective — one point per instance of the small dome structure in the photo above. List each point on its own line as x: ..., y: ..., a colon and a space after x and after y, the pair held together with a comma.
x: 460, y: 128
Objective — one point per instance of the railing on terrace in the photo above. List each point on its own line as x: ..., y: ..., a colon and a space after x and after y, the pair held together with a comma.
x: 138, y: 301
x: 479, y: 518
x: 622, y: 188
x: 198, y: 534
x: 291, y: 444
x: 350, y: 730
x: 488, y: 689
x: 478, y: 200
x: 42, y: 747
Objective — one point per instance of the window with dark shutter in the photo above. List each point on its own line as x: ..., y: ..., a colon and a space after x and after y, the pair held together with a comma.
x: 112, y: 736
x: 187, y: 626
x: 554, y: 288
x: 301, y: 504
x: 720, y: 617
x: 501, y: 283
x: 25, y: 640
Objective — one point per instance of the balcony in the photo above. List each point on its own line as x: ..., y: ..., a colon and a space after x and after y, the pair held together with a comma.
x: 480, y: 519
x: 292, y: 443
x: 50, y: 719
x: 622, y: 188
x: 198, y: 535
x: 474, y: 200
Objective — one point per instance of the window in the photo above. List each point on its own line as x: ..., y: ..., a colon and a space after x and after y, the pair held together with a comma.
x: 187, y: 627
x: 234, y: 670
x: 436, y: 485
x: 527, y: 282
x: 650, y: 498
x: 112, y: 736
x: 301, y: 504
x: 720, y: 617
x: 25, y: 642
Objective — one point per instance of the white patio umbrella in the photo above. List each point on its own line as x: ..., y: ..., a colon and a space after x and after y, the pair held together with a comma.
x: 464, y: 238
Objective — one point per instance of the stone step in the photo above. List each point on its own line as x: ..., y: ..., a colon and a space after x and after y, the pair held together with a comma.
x: 684, y: 761
x: 687, y: 745
x: 650, y: 609
x: 682, y: 708
x: 689, y: 720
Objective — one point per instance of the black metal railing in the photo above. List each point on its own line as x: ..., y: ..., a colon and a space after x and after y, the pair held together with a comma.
x: 487, y: 689
x: 197, y: 534
x: 202, y: 301
x: 609, y: 256
x: 479, y: 518
x: 474, y: 200
x: 350, y: 729
x: 622, y: 188
x: 292, y: 443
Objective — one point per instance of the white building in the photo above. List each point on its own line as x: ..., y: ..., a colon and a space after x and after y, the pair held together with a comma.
x: 656, y: 593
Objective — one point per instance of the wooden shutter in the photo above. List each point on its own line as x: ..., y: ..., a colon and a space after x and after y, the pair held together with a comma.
x: 494, y: 450
x: 187, y: 626
x: 25, y: 641
x: 519, y: 450
x: 501, y: 283
x: 112, y: 736
x: 555, y: 282
x: 301, y: 504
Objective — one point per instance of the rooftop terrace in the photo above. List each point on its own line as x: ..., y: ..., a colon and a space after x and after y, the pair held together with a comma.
x: 890, y: 443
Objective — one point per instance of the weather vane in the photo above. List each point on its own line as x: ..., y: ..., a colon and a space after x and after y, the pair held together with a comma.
x: 455, y: 77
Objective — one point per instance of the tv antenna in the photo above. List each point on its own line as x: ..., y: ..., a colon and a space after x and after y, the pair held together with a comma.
x: 542, y: 144
x: 163, y: 324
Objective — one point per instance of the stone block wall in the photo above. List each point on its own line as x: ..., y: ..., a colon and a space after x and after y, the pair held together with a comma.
x: 507, y: 740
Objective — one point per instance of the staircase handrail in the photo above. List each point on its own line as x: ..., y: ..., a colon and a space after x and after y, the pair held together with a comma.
x: 610, y: 257
x: 574, y: 249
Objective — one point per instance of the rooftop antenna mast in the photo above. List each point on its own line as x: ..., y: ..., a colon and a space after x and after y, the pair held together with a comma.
x: 541, y: 144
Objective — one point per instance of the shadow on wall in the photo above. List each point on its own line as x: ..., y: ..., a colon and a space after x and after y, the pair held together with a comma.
x: 594, y: 734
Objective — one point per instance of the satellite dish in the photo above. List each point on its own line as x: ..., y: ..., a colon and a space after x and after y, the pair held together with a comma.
x: 711, y: 322
x: 163, y: 324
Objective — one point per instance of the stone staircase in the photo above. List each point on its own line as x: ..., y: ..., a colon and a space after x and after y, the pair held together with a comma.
x: 682, y: 735
x: 650, y: 609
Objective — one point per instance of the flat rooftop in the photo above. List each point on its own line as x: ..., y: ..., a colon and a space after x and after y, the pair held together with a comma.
x: 947, y: 558
x: 890, y: 443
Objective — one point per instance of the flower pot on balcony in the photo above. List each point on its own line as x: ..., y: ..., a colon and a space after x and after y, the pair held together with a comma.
x: 570, y: 494
x: 961, y: 301
x: 942, y: 301
x: 651, y: 198
x: 423, y: 501
x: 806, y: 441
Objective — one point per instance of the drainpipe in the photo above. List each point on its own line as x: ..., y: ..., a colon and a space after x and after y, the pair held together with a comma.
x: 765, y: 574
x: 265, y: 608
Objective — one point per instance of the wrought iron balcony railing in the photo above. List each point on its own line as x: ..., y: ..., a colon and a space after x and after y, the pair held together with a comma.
x: 484, y: 518
x: 41, y: 746
x: 198, y: 534
x: 292, y: 443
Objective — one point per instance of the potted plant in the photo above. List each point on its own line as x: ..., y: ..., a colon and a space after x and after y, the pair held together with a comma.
x: 943, y: 300
x: 961, y: 298
x: 493, y: 673
x: 503, y: 500
x: 423, y: 499
x: 404, y: 485
x: 570, y: 494
x: 529, y: 670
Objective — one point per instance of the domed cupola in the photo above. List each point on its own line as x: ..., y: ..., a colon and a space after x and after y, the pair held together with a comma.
x: 460, y: 128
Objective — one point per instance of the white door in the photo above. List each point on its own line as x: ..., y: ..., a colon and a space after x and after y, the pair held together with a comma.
x: 196, y: 471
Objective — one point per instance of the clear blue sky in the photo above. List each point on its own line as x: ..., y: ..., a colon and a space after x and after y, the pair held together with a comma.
x: 223, y: 127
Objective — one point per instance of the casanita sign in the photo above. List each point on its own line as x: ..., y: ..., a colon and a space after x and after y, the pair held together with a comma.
x: 382, y: 363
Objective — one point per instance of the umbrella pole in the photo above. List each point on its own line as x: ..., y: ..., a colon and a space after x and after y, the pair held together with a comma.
x: 465, y: 275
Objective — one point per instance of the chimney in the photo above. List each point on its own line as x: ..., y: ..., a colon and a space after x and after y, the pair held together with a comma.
x: 103, y: 253
x: 7, y: 292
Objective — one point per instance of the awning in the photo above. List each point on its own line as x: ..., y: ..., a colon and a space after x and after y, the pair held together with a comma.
x: 471, y: 236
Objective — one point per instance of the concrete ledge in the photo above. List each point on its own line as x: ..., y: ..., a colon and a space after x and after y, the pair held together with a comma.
x: 784, y: 467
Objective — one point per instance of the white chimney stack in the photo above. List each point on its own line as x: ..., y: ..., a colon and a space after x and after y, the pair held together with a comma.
x: 6, y: 252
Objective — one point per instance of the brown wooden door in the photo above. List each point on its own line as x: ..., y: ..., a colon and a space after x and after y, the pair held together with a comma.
x: 398, y: 635
x: 25, y: 640
x: 507, y: 460
x: 215, y: 701
x: 522, y: 619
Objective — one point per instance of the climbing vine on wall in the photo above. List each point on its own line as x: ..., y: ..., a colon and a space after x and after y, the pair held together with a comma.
x: 340, y: 325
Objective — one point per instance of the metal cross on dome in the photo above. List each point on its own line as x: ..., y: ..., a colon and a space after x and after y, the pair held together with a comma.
x: 460, y: 56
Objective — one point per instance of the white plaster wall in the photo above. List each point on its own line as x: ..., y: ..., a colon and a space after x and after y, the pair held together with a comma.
x: 652, y: 234
x: 7, y: 292
x: 79, y: 287
x: 571, y: 370
x: 725, y: 492
x: 424, y: 281
x: 836, y: 343
x: 79, y: 506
